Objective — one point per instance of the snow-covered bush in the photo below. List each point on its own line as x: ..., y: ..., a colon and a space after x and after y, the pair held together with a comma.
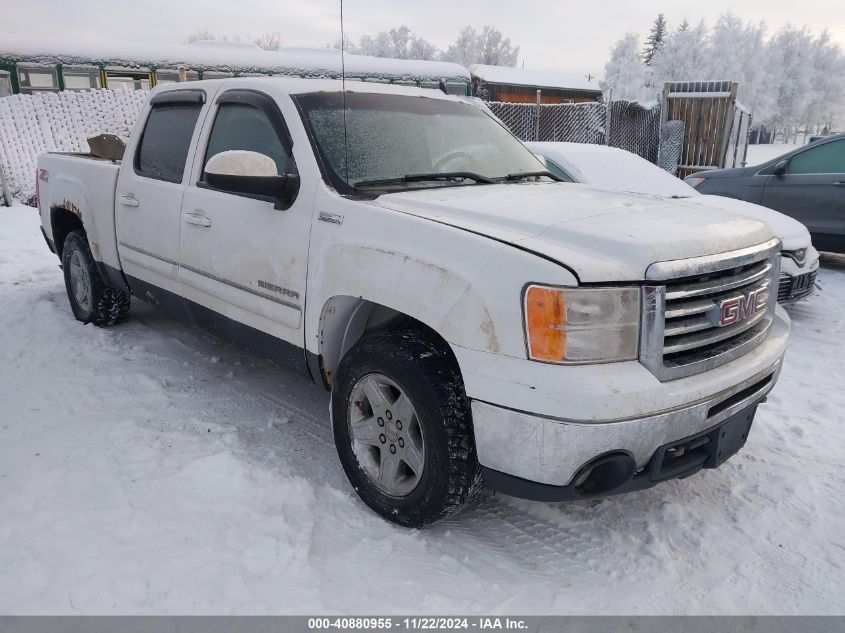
x: 58, y: 121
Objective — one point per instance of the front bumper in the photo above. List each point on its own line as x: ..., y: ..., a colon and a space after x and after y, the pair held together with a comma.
x: 549, y: 450
x: 615, y: 472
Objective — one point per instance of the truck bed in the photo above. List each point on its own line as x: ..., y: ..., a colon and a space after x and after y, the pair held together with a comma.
x: 85, y: 185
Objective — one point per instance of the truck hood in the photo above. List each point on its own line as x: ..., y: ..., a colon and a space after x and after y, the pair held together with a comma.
x: 601, y: 235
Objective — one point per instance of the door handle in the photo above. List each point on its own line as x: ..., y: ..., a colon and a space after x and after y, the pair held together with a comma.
x: 197, y: 219
x: 841, y: 183
x: 130, y: 201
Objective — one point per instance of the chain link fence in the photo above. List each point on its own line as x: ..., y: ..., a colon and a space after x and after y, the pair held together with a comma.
x: 671, y: 145
x: 635, y: 128
x: 575, y: 122
x: 624, y: 124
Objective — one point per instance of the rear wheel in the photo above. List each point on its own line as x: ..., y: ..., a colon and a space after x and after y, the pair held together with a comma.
x: 403, y: 430
x: 91, y: 300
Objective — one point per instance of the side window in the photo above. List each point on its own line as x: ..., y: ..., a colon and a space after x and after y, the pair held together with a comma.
x: 163, y: 149
x: 823, y: 159
x: 243, y: 126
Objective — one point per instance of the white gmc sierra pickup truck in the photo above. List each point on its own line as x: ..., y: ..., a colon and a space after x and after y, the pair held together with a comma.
x: 475, y: 320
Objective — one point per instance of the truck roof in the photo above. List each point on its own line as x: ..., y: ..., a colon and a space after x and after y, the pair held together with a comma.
x: 300, y: 86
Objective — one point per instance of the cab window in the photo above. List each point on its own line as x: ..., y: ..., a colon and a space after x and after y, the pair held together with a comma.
x: 828, y: 158
x: 163, y: 149
x: 240, y: 126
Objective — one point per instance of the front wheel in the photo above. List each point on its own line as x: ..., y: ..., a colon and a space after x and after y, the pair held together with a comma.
x: 403, y: 428
x: 91, y: 300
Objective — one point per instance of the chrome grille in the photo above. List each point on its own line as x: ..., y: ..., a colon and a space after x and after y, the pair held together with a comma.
x: 687, y: 320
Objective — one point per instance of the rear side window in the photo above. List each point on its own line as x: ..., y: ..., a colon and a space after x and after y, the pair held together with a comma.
x: 166, y: 139
x: 245, y: 127
x: 823, y: 159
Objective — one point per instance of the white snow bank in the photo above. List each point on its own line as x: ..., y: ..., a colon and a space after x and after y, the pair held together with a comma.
x: 224, y: 56
x: 533, y: 78
x: 58, y: 121
x: 613, y: 168
x: 148, y: 469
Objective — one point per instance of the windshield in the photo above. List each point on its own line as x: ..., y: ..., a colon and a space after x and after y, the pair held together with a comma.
x: 401, y: 142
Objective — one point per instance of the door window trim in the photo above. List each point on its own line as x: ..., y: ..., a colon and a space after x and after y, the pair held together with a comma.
x: 170, y: 97
x: 268, y: 106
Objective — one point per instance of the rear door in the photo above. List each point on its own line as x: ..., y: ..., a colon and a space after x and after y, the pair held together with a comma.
x: 150, y: 187
x: 813, y: 191
x: 241, y: 256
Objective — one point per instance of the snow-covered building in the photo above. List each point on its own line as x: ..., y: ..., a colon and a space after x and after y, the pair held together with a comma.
x: 517, y: 85
x: 28, y: 65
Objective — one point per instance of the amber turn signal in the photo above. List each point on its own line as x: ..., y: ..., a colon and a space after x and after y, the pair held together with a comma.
x: 545, y: 314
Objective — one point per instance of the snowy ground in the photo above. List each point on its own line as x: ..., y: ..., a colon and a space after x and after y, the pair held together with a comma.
x: 148, y: 468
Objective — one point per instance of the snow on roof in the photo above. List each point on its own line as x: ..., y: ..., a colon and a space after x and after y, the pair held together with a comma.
x: 227, y: 56
x: 612, y: 168
x: 533, y: 78
x: 298, y: 85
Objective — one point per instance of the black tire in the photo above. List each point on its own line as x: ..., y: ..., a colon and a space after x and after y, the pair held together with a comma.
x: 426, y: 371
x: 102, y: 305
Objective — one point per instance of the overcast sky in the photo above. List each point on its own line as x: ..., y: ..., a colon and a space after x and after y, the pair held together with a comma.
x: 552, y: 34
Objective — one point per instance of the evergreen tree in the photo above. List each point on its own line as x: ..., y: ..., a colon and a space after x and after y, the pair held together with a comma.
x: 655, y: 40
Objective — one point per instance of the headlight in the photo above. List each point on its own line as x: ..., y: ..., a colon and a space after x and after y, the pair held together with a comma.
x: 582, y: 325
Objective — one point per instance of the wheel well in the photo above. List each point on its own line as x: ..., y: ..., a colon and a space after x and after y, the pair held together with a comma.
x: 344, y: 320
x: 63, y: 222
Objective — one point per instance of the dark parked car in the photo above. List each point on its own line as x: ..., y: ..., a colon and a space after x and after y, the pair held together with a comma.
x: 807, y: 184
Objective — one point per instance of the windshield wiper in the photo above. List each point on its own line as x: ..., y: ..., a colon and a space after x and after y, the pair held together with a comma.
x: 434, y: 176
x: 522, y: 175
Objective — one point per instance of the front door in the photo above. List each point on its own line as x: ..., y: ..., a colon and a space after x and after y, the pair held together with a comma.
x: 813, y: 192
x: 149, y: 192
x: 240, y: 256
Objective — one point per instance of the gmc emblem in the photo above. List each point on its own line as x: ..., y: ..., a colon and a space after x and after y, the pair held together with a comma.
x: 738, y: 309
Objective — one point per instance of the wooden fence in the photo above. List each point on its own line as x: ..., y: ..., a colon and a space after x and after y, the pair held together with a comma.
x: 715, y: 125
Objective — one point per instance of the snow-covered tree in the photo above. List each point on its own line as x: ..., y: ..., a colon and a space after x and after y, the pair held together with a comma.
x: 466, y: 48
x: 496, y: 49
x: 399, y: 43
x: 791, y: 81
x: 790, y: 64
x: 655, y: 39
x: 682, y: 56
x: 624, y: 72
x: 268, y: 41
x: 827, y: 97
x: 418, y: 48
x: 200, y: 35
x: 488, y: 47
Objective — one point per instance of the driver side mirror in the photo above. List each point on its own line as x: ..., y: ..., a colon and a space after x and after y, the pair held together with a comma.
x: 251, y: 174
x: 780, y: 168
